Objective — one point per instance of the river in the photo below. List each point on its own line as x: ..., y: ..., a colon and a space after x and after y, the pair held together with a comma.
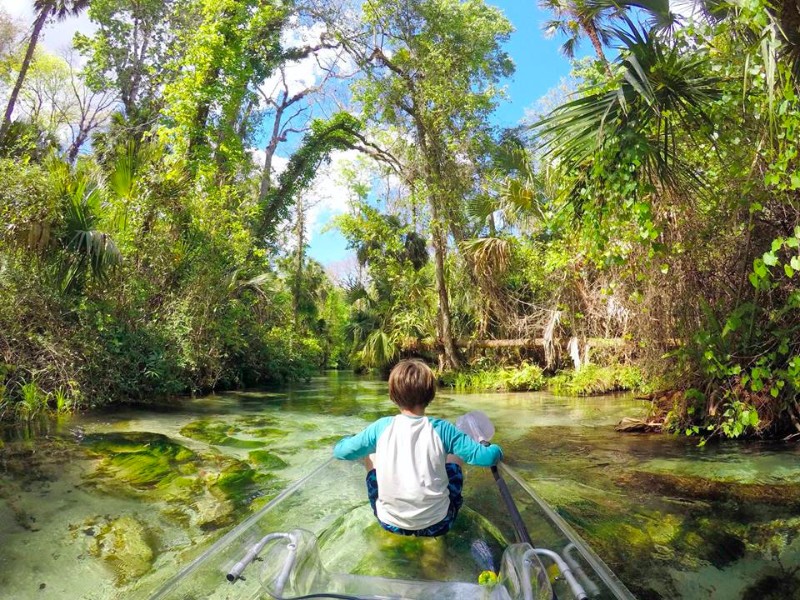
x: 98, y: 506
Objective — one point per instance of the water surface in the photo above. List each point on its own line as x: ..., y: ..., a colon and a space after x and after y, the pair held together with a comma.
x: 107, y: 504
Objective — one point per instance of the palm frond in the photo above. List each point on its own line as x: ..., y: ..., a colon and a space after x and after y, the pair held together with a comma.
x: 379, y: 349
x: 84, y: 246
x: 659, y: 87
x: 490, y: 256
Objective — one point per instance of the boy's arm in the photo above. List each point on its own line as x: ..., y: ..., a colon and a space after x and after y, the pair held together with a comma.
x: 471, y: 452
x: 362, y: 444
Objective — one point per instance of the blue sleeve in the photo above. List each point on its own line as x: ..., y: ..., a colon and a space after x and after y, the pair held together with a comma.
x: 459, y: 443
x: 362, y: 444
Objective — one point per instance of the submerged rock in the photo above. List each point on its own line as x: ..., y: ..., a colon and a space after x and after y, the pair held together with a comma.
x: 692, y: 487
x: 124, y: 545
x: 774, y: 586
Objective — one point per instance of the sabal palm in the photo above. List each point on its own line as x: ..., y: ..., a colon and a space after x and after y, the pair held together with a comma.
x: 83, y: 246
x: 595, y: 20
x: 45, y: 9
x: 661, y: 89
x: 577, y: 18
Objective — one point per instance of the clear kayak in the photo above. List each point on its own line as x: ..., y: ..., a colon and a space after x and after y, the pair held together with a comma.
x: 319, y: 539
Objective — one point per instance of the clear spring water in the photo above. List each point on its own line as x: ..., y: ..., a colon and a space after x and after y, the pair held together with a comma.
x: 103, y: 505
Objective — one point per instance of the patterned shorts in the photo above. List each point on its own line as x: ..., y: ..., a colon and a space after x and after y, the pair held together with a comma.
x: 456, y: 482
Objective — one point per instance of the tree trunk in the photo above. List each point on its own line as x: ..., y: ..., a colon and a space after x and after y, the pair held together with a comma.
x: 591, y: 31
x: 298, y: 276
x: 75, y: 147
x: 197, y: 137
x: 448, y: 358
x: 23, y: 71
x: 269, y: 153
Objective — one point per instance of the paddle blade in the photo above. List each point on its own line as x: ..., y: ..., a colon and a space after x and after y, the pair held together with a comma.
x: 482, y: 555
x: 476, y: 425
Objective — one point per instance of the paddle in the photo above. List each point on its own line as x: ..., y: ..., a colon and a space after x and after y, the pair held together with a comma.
x: 476, y: 424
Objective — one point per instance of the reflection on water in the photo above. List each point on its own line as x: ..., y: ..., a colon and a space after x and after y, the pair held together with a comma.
x: 105, y: 503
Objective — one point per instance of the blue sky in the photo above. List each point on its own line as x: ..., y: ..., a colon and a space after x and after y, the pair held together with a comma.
x: 539, y: 67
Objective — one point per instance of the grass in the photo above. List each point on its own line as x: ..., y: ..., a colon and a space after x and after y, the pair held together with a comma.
x: 591, y: 380
x: 594, y: 380
x: 527, y: 378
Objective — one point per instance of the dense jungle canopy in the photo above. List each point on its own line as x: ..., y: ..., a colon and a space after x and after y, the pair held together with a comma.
x: 641, y: 232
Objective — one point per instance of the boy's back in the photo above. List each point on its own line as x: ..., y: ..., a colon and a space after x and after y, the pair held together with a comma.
x: 412, y: 486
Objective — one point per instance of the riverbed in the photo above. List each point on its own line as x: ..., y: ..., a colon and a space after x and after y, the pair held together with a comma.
x: 102, y: 506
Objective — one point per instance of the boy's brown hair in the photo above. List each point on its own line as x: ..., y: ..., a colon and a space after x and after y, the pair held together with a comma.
x: 411, y: 384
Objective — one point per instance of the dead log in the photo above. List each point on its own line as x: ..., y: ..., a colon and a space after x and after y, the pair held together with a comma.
x: 631, y: 425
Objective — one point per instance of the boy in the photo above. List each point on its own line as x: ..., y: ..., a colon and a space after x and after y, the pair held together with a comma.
x: 413, y: 480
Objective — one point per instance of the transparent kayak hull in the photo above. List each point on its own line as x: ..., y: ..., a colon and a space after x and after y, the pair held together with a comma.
x: 320, y: 536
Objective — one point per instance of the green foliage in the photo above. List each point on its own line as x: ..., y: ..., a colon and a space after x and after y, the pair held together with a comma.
x: 594, y: 380
x: 526, y: 378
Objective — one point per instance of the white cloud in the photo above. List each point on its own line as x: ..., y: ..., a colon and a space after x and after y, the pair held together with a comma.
x: 309, y: 71
x: 56, y: 36
x: 330, y: 194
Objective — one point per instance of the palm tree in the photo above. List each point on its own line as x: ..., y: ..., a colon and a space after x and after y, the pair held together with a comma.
x: 594, y: 19
x: 576, y: 18
x: 661, y: 90
x: 45, y: 9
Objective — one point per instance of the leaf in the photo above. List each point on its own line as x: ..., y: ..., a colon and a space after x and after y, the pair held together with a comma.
x: 788, y: 270
x: 795, y: 183
x: 777, y: 244
x: 770, y: 259
x: 795, y: 263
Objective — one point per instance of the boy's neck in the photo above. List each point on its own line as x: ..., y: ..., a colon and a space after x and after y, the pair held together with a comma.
x: 417, y: 411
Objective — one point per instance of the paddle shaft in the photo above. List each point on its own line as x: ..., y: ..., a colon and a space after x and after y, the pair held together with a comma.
x: 513, y: 511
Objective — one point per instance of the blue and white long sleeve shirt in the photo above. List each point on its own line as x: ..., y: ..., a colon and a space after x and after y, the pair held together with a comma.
x: 410, y: 454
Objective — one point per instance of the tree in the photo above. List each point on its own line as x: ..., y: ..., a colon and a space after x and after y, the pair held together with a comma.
x: 663, y: 89
x: 595, y: 19
x: 575, y: 18
x: 45, y: 9
x: 133, y: 52
x: 433, y: 71
x: 10, y: 33
x: 229, y: 54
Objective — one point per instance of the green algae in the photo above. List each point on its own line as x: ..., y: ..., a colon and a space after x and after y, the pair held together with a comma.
x: 143, y: 462
x: 222, y: 433
x: 257, y: 421
x: 670, y: 484
x: 240, y: 484
x: 210, y: 432
x: 269, y: 433
x: 266, y: 460
x: 326, y: 442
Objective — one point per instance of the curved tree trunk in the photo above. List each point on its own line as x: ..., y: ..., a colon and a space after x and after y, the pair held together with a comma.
x: 23, y: 71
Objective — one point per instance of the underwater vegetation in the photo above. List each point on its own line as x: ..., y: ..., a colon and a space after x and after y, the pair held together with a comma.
x: 124, y: 545
x: 207, y: 490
